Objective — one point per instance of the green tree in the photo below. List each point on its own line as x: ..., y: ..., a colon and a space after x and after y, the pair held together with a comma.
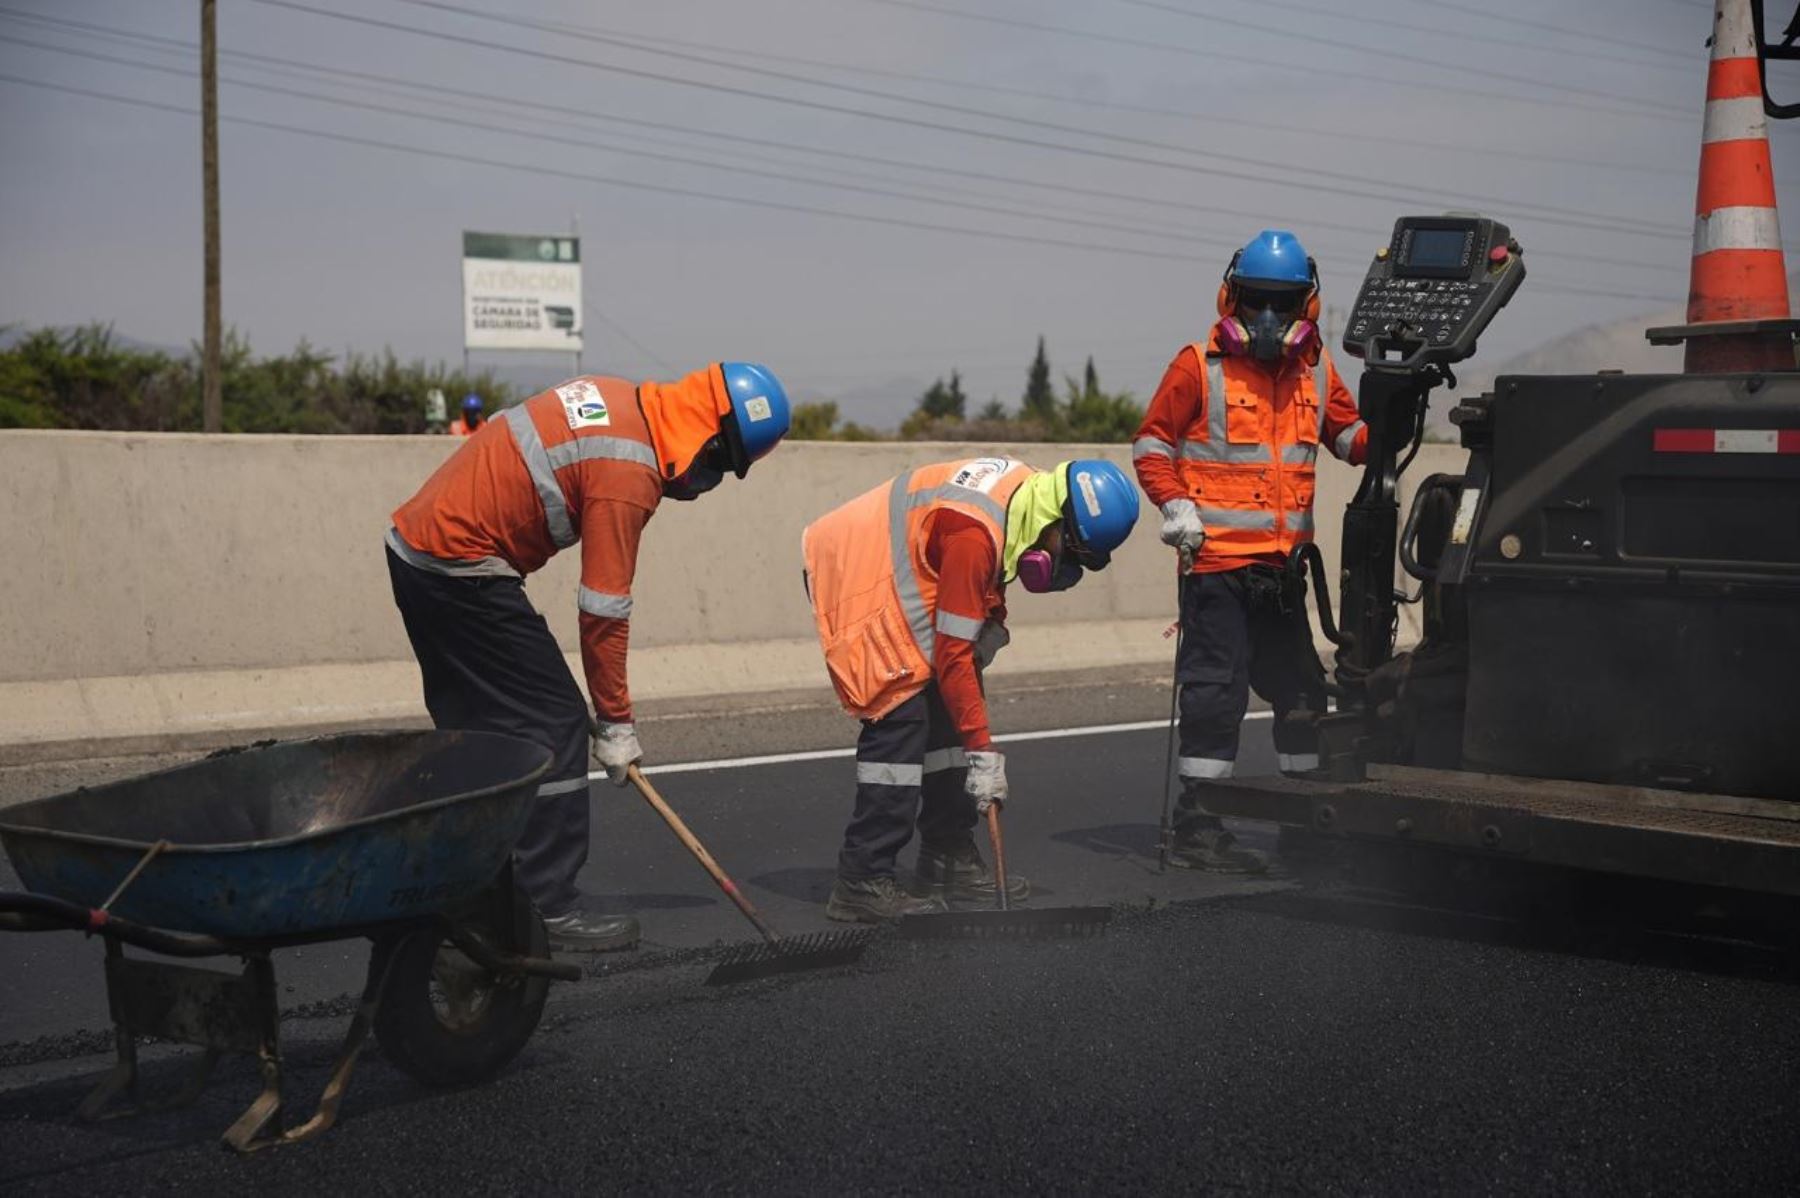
x: 940, y: 411
x: 813, y: 421
x: 1089, y: 414
x: 993, y: 410
x: 84, y: 378
x: 1040, y: 397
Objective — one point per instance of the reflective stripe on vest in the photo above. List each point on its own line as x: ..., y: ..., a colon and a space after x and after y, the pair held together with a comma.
x: 543, y: 475
x: 906, y: 580
x: 602, y: 449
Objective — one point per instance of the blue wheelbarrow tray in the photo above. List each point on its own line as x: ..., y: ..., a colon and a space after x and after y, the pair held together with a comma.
x: 287, y: 840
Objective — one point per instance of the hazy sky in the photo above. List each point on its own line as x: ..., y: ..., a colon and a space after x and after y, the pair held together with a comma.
x: 1100, y: 165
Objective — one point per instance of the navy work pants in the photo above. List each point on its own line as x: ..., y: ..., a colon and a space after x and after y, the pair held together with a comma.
x: 909, y: 768
x: 489, y: 664
x: 1240, y: 631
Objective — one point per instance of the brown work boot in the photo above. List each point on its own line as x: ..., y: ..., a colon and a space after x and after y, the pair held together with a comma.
x: 875, y: 900
x: 955, y: 872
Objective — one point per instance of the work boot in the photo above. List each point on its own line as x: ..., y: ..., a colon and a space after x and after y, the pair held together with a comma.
x: 875, y: 900
x: 955, y: 872
x: 1214, y: 849
x: 579, y: 932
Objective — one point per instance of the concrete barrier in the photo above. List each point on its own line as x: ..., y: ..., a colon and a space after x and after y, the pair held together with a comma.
x: 166, y: 587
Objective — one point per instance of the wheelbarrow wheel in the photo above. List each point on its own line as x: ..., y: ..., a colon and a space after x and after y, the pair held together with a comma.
x: 446, y: 1021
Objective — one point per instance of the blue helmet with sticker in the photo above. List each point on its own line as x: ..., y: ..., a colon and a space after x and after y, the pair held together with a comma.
x: 1103, y: 503
x: 759, y: 416
x: 1273, y: 256
x: 471, y: 402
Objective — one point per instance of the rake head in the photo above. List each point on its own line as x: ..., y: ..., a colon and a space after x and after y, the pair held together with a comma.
x: 1044, y: 922
x: 790, y: 954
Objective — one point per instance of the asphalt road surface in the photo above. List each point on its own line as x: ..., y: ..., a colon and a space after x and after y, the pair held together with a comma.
x: 1291, y: 1034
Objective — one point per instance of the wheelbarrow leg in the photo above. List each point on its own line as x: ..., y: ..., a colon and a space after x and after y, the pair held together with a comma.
x: 246, y: 1134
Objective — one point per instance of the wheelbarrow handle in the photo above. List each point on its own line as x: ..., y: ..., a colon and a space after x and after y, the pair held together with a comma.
x: 27, y: 912
x: 700, y: 854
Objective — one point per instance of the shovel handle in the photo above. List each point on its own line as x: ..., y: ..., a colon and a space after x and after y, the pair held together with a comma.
x: 700, y: 854
x: 999, y: 846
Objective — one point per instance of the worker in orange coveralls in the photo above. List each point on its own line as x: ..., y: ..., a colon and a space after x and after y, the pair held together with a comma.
x: 1226, y: 451
x: 585, y: 462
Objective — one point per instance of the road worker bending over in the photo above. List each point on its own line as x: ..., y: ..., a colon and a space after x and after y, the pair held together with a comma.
x: 1226, y: 451
x: 908, y: 587
x: 587, y: 461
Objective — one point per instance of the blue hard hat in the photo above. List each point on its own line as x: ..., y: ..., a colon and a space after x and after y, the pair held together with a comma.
x: 1104, y: 502
x: 1274, y: 256
x: 471, y: 402
x: 760, y: 413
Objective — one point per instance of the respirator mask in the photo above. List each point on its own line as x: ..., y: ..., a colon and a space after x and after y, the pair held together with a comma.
x: 1268, y: 324
x: 1041, y: 571
x: 706, y: 472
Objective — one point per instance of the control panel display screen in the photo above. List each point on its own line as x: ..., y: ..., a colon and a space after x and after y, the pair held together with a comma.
x: 1437, y: 247
x: 1432, y: 290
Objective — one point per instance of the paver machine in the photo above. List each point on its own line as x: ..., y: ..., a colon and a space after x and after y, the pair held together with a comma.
x: 1610, y: 589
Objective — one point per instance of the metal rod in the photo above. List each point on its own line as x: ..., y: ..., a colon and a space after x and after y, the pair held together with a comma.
x: 999, y: 845
x: 155, y: 851
x: 1163, y: 830
x: 212, y: 407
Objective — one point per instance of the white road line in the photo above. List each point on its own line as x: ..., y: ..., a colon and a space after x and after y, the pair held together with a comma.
x: 732, y: 763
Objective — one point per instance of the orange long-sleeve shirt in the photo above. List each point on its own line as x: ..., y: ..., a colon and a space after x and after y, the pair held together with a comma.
x: 581, y: 462
x: 962, y: 554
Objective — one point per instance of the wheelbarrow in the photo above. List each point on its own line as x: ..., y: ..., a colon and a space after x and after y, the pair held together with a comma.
x: 401, y: 838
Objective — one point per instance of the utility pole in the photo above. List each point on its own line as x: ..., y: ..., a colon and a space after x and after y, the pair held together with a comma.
x: 212, y: 408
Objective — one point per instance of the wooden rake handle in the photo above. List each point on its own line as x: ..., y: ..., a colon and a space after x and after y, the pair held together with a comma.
x: 700, y: 854
x: 999, y: 846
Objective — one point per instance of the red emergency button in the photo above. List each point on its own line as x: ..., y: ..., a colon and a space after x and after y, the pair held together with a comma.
x: 1497, y: 254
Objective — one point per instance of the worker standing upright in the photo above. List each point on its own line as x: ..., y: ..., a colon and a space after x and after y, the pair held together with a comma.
x: 588, y: 461
x: 908, y: 587
x: 1226, y: 451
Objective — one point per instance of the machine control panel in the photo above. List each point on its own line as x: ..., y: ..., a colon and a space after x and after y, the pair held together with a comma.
x: 1432, y: 290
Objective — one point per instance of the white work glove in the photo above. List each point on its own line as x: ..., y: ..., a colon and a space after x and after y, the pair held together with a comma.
x: 614, y: 748
x: 992, y: 638
x: 1181, y: 528
x: 986, y: 780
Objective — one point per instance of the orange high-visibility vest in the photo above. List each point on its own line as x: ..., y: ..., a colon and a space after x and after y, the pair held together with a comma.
x: 1248, y: 462
x: 874, y: 595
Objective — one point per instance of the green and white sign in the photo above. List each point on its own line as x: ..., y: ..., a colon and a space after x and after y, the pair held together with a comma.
x: 521, y: 292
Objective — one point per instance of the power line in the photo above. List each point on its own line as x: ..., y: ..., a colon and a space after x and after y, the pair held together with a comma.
x: 1574, y: 218
x: 1393, y: 55
x: 1552, y: 288
x: 385, y: 84
x: 466, y: 123
x: 1313, y: 70
x: 1482, y: 150
x: 1476, y: 10
x: 1467, y: 36
x: 1259, y: 215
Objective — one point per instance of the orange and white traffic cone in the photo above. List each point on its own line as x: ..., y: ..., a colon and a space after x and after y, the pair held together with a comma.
x: 1739, y: 271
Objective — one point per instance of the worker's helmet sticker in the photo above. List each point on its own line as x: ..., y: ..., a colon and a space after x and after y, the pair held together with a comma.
x: 1084, y: 482
x: 981, y: 474
x: 757, y: 409
x: 582, y: 404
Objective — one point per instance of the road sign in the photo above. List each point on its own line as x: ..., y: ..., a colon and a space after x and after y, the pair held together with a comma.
x: 521, y: 292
